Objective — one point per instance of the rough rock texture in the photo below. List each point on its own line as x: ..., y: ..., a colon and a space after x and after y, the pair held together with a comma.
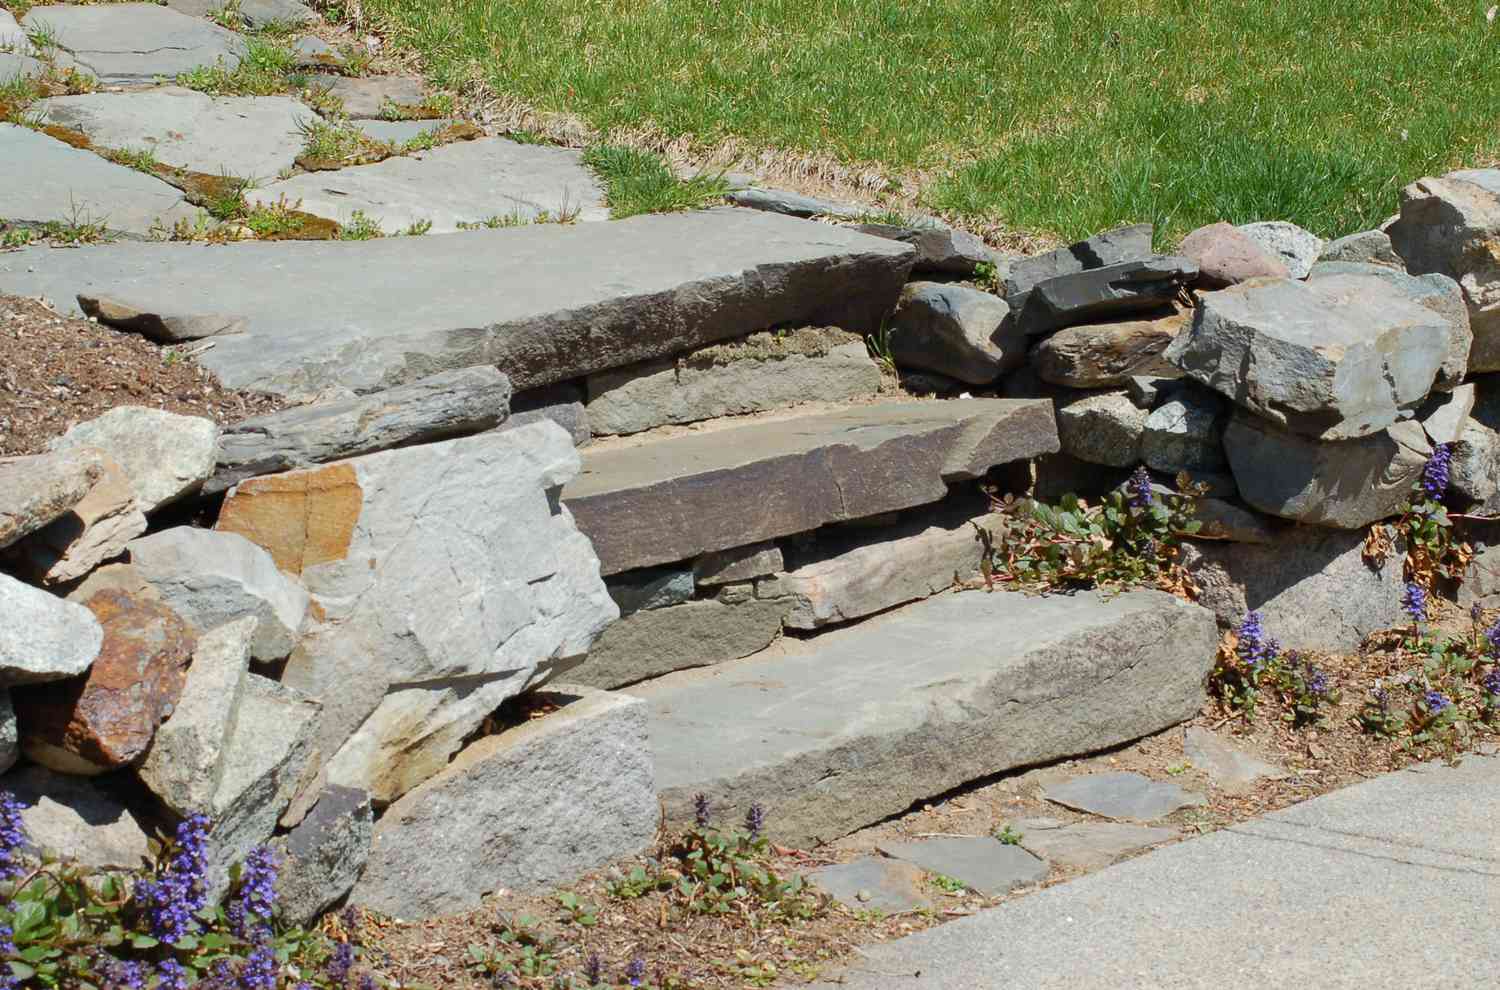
x: 43, y: 638
x: 106, y: 718
x: 165, y: 455
x: 1346, y: 484
x: 1101, y: 293
x: 250, y: 137
x: 1298, y: 249
x: 342, y: 311
x: 1229, y: 768
x: 174, y: 329
x: 673, y: 499
x: 1089, y: 845
x: 1103, y: 428
x: 981, y: 863
x: 737, y: 564
x: 1108, y: 248
x: 10, y: 742
x: 449, y: 404
x: 368, y: 96
x: 1227, y: 255
x: 1445, y: 414
x: 78, y: 820
x: 1369, y: 247
x: 465, y: 182
x: 449, y: 579
x: 875, y: 883
x: 1451, y: 226
x: 651, y: 587
x: 324, y: 854
x: 137, y: 42
x: 1121, y: 794
x: 185, y: 765
x: 1313, y: 584
x: 1475, y: 471
x: 764, y: 371
x: 956, y: 331
x: 36, y: 490
x: 845, y: 729
x: 1185, y: 433
x: 561, y: 404
x: 941, y: 250
x: 1107, y: 355
x: 527, y: 809
x: 1336, y: 358
x: 696, y: 634
x: 793, y: 204
x: 93, y: 531
x: 48, y: 180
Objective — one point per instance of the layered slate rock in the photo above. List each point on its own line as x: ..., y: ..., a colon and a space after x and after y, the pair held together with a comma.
x: 249, y: 137
x: 1346, y: 484
x: 764, y: 371
x: 47, y: 180
x: 853, y: 726
x: 956, y: 331
x: 210, y: 578
x: 137, y: 42
x: 107, y: 717
x: 165, y: 455
x: 657, y: 641
x: 36, y: 490
x: 1227, y: 256
x: 1088, y: 845
x: 529, y: 808
x: 1298, y: 249
x: 93, y: 531
x: 450, y: 404
x: 794, y: 204
x: 466, y: 182
x: 80, y: 820
x: 737, y: 564
x: 1099, y: 293
x: 1108, y: 248
x: 1121, y: 794
x: 449, y: 579
x: 368, y: 315
x: 1107, y: 355
x: 675, y: 498
x: 324, y: 854
x: 941, y: 250
x: 1335, y: 358
x: 43, y: 638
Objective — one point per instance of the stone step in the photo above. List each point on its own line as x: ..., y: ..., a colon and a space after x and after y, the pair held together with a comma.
x: 840, y: 731
x: 544, y: 303
x: 659, y: 500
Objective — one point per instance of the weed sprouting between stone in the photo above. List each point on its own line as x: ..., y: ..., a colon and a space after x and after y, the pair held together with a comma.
x: 638, y: 182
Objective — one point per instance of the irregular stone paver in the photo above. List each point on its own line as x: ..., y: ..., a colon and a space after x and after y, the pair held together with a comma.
x: 875, y: 883
x: 982, y: 864
x: 675, y: 498
x: 836, y: 732
x: 1228, y: 767
x: 1121, y: 794
x: 13, y: 66
x: 1088, y: 845
x: 249, y: 137
x: 365, y: 97
x: 461, y: 183
x: 137, y: 42
x: 368, y: 315
x: 256, y: 13
x: 398, y: 132
x: 38, y: 489
x: 46, y: 179
x: 315, y: 53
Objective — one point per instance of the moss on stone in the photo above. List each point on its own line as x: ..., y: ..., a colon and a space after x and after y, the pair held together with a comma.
x: 772, y: 345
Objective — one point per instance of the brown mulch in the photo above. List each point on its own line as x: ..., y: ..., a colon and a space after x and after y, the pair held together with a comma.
x: 57, y: 371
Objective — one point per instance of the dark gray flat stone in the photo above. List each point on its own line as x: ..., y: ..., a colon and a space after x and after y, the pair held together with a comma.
x: 137, y: 42
x: 875, y: 883
x: 1121, y: 795
x: 1101, y: 293
x: 982, y: 864
x: 544, y: 303
x: 793, y: 204
x: 1089, y: 845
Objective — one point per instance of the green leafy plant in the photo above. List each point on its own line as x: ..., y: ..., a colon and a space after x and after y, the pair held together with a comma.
x: 1009, y: 836
x: 638, y: 182
x: 947, y: 884
x: 360, y: 228
x: 578, y: 911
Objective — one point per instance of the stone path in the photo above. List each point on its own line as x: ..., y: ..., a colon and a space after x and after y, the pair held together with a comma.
x: 1388, y: 884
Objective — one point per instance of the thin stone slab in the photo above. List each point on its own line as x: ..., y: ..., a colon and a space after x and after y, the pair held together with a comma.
x: 738, y: 564
x: 1101, y: 293
x: 837, y: 732
x: 1106, y: 355
x: 875, y: 883
x: 466, y: 182
x: 675, y: 498
x: 47, y: 180
x: 980, y: 863
x: 941, y: 250
x: 398, y: 132
x: 249, y: 137
x: 370, y: 96
x: 1228, y: 767
x: 1107, y: 248
x: 36, y: 490
x: 137, y: 42
x: 368, y: 315
x: 93, y: 531
x: 1089, y: 845
x: 1121, y: 794
x: 794, y: 204
x: 658, y: 641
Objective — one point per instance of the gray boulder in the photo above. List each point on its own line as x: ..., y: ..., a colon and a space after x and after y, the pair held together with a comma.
x: 1103, y: 428
x: 1226, y: 256
x: 324, y: 854
x: 941, y: 250
x: 43, y: 638
x: 1369, y: 247
x: 1336, y: 358
x: 166, y: 455
x: 1298, y: 249
x: 1107, y: 355
x: 1100, y: 293
x: 956, y: 331
x: 79, y: 820
x: 1109, y: 248
x: 1185, y: 433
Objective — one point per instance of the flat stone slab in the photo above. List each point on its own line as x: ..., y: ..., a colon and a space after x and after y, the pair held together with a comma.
x: 875, y: 883
x: 1121, y: 795
x: 1089, y: 845
x: 370, y: 95
x: 368, y: 315
x: 250, y: 137
x: 671, y: 499
x: 657, y: 641
x: 137, y: 42
x: 837, y: 732
x: 980, y: 863
x: 1228, y: 767
x: 465, y: 182
x: 48, y: 180
x: 399, y: 132
x: 14, y: 65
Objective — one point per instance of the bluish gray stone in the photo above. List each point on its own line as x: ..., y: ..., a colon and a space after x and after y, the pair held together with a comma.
x: 875, y: 883
x: 1121, y: 794
x: 956, y: 331
x: 1109, y: 291
x: 137, y: 42
x: 985, y: 865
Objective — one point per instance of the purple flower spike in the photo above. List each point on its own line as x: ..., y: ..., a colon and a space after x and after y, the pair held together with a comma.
x: 251, y: 912
x: 1414, y: 601
x: 1436, y: 702
x: 636, y: 971
x: 1255, y: 648
x: 1138, y: 489
x: 755, y: 820
x: 172, y: 900
x: 1435, y: 473
x: 12, y: 836
x: 701, y: 809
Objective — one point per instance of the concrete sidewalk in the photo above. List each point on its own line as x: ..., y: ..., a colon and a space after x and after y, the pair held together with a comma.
x: 1394, y: 882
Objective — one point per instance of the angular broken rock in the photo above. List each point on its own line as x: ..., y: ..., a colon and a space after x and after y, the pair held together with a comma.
x: 981, y: 863
x: 675, y: 498
x: 43, y: 638
x: 793, y: 204
x: 93, y: 531
x: 1227, y: 256
x: 956, y: 331
x: 1185, y: 433
x: 529, y: 808
x: 1336, y: 358
x: 737, y: 564
x: 166, y: 455
x: 1107, y: 355
x: 107, y: 717
x: 174, y: 329
x: 78, y: 820
x: 1346, y: 483
x: 941, y: 250
x: 1108, y: 248
x: 137, y: 42
x: 1445, y: 415
x: 324, y: 854
x: 186, y: 763
x: 1102, y: 428
x: 1121, y: 794
x: 696, y: 634
x: 1369, y: 247
x: 1090, y: 845
x: 445, y: 405
x: 1228, y: 767
x: 1100, y: 293
x: 38, y: 489
x: 1298, y: 249
x: 449, y: 579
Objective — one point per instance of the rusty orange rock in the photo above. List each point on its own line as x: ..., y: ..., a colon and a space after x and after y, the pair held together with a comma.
x: 300, y: 518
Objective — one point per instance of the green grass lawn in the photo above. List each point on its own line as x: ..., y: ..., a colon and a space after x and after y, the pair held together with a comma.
x: 1064, y: 117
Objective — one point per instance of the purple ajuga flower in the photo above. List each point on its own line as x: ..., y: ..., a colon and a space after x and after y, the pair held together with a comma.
x: 1491, y: 682
x: 1436, y: 702
x: 170, y: 975
x: 12, y: 836
x: 367, y: 982
x: 1414, y: 601
x: 1317, y: 681
x: 593, y: 969
x: 7, y: 940
x: 127, y: 976
x: 1435, y: 473
x: 755, y: 820
x: 1492, y: 636
x: 173, y: 899
x: 635, y: 973
x: 1138, y: 489
x: 1476, y: 613
x: 340, y: 963
x: 1254, y: 647
x: 257, y: 895
x: 258, y: 971
x: 701, y: 816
